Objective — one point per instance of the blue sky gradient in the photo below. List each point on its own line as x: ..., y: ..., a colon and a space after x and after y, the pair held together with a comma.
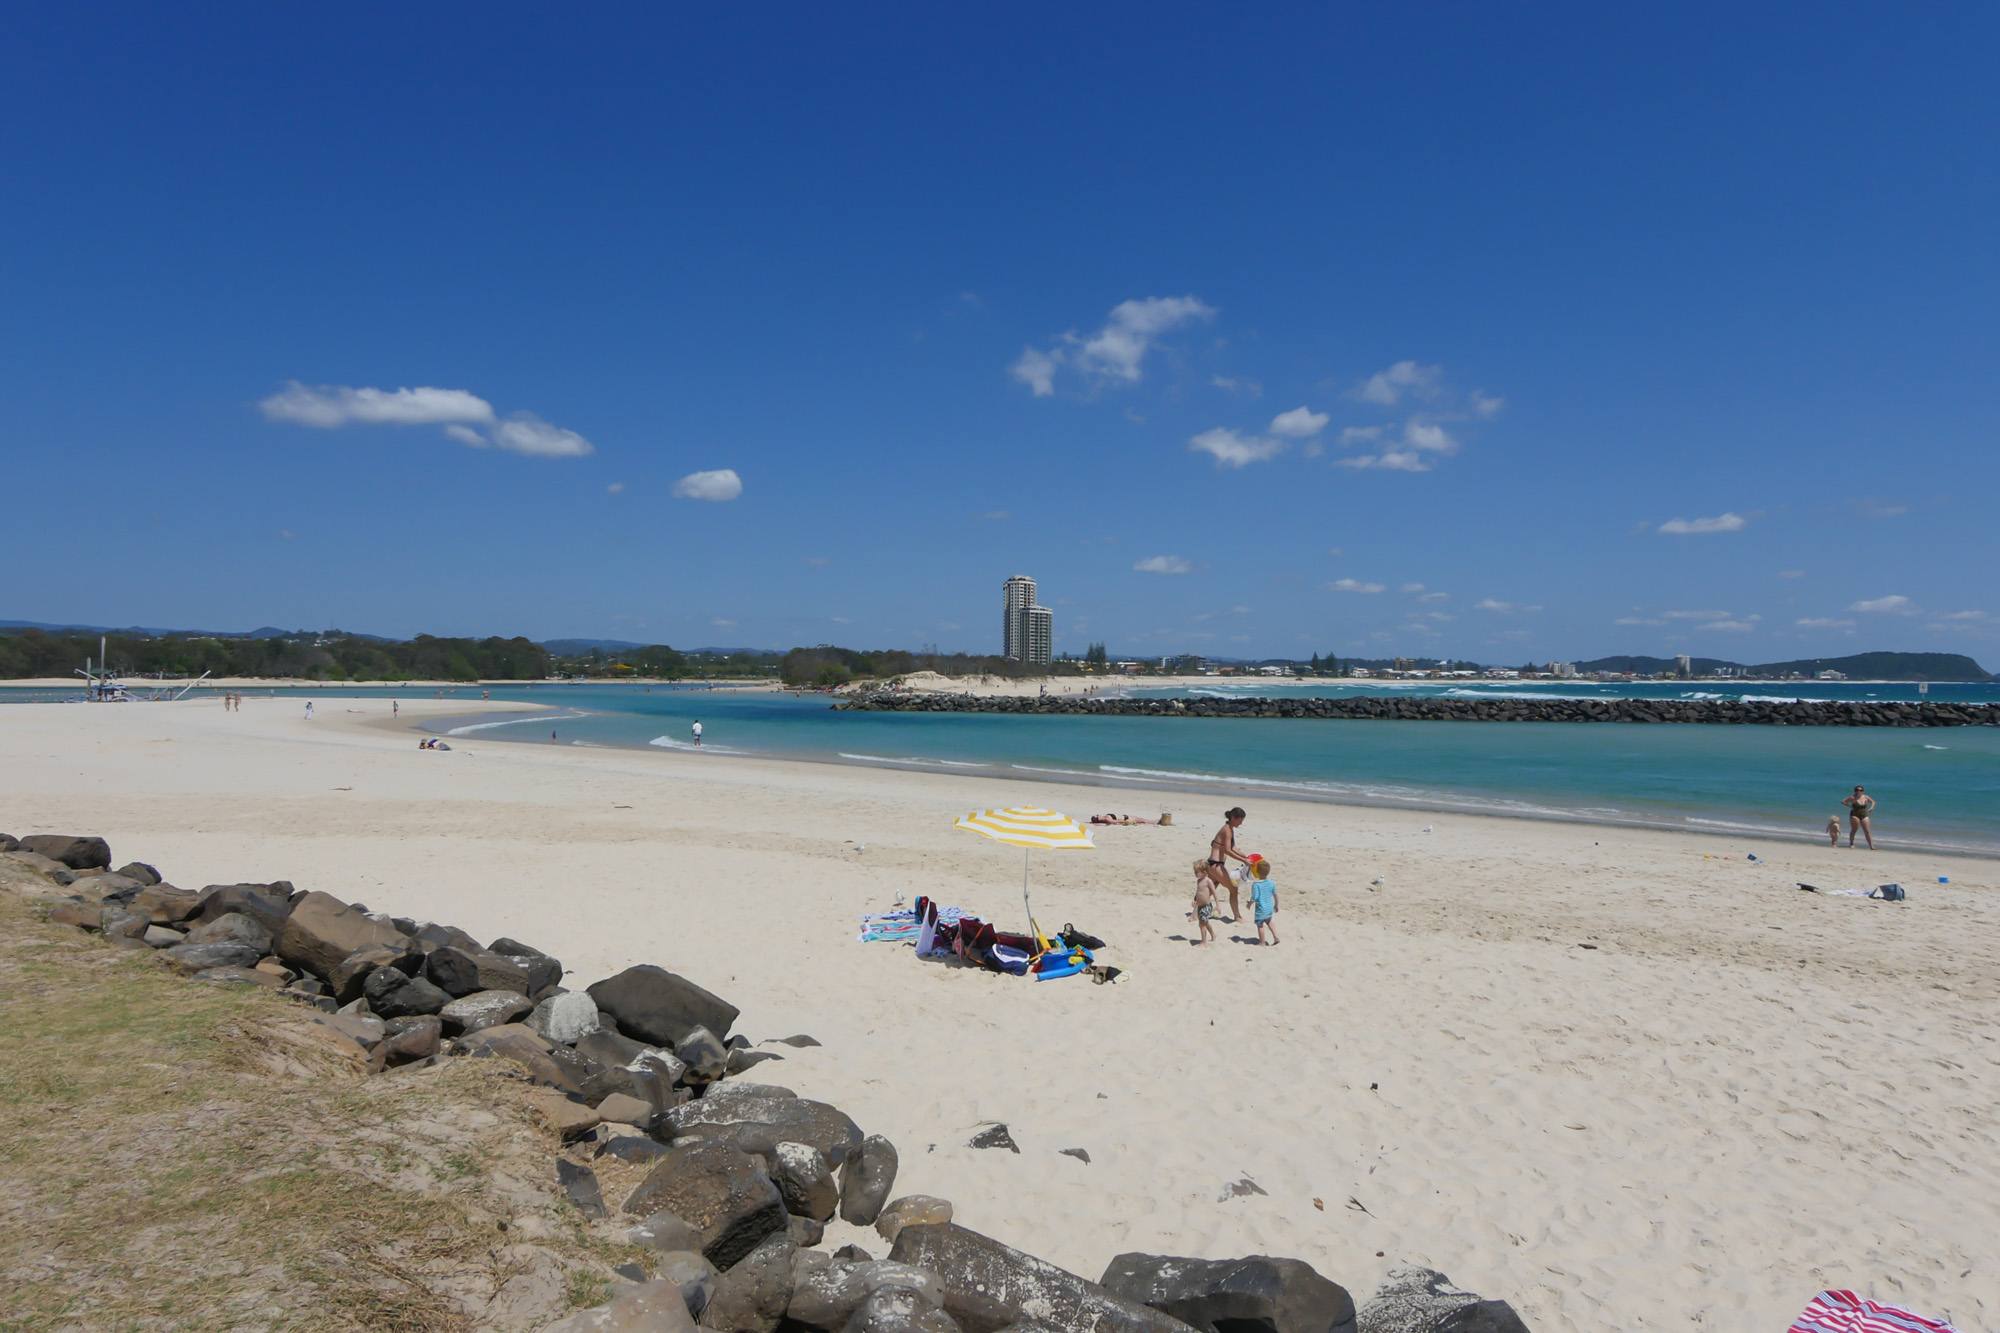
x: 961, y: 293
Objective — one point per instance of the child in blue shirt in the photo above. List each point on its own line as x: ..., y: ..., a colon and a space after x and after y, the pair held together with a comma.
x: 1263, y: 902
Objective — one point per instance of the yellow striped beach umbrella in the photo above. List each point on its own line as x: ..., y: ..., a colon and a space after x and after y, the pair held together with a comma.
x: 1028, y: 827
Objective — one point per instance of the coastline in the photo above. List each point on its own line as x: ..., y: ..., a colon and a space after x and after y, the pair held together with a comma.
x: 1618, y: 1077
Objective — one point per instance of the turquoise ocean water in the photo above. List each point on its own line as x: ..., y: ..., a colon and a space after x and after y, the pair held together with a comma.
x: 1938, y: 787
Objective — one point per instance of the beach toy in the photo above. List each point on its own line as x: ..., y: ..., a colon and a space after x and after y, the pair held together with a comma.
x: 1944, y: 879
x: 1753, y: 856
x: 1067, y: 967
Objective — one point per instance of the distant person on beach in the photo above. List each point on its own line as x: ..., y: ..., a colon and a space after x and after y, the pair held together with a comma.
x: 1833, y: 830
x: 697, y: 733
x: 395, y: 709
x: 309, y: 717
x: 1264, y: 901
x: 1221, y: 850
x: 1859, y: 807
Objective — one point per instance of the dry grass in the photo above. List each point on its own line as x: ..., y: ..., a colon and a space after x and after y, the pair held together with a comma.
x: 154, y: 1175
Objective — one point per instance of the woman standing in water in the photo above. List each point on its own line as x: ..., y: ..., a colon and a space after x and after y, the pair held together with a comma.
x: 1220, y: 850
x: 1859, y: 807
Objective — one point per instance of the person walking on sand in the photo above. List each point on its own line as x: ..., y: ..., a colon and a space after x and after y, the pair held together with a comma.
x: 395, y: 709
x: 1264, y: 902
x: 1859, y: 807
x: 697, y: 733
x: 309, y: 717
x: 1221, y: 850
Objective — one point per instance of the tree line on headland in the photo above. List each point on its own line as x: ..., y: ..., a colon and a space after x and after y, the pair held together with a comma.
x: 336, y: 655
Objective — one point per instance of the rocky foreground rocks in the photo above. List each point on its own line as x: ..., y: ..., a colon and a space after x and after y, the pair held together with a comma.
x: 741, y: 1177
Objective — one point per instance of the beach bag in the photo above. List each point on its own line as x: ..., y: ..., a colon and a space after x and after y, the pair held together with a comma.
x: 1891, y: 893
x: 1077, y: 939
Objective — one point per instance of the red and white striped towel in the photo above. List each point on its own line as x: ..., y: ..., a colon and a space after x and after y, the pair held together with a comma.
x: 1844, y: 1312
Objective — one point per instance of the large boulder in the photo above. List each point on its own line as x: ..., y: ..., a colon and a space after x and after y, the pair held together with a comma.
x: 1422, y: 1300
x: 139, y: 871
x: 84, y: 916
x: 165, y: 905
x: 722, y: 1193
x: 826, y: 1294
x: 461, y: 972
x: 649, y: 1307
x: 322, y: 930
x: 694, y: 1275
x: 78, y: 853
x: 566, y: 1019
x: 483, y: 1009
x: 394, y: 993
x: 108, y: 887
x: 431, y: 935
x: 989, y: 1285
x: 706, y: 1058
x: 751, y: 1297
x: 759, y: 1124
x: 667, y: 1232
x: 410, y: 1037
x: 262, y: 903
x: 866, y: 1178
x: 801, y: 1173
x: 899, y: 1310
x: 653, y: 1005
x: 1254, y: 1295
x: 552, y: 1066
x: 604, y: 1046
x: 188, y: 959
x: 351, y: 973
x: 912, y: 1210
x: 233, y: 928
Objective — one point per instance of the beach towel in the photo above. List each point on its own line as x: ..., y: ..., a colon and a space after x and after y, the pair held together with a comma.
x: 1844, y: 1312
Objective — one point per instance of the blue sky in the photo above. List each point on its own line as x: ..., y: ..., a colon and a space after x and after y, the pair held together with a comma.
x: 1499, y: 332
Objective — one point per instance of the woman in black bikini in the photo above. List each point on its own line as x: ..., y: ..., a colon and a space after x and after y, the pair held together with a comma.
x: 1859, y: 807
x: 1220, y: 849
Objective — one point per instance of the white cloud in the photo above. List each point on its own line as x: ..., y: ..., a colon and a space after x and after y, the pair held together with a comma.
x: 818, y: 561
x: 1037, y: 370
x: 1353, y: 585
x: 1435, y: 597
x: 1299, y: 423
x: 722, y: 624
x: 1486, y: 406
x: 1636, y: 620
x: 1411, y: 587
x: 1234, y: 450
x: 526, y: 433
x: 1117, y: 350
x: 1240, y: 610
x: 337, y: 405
x: 1359, y: 435
x: 1695, y: 615
x: 1393, y: 460
x: 1682, y: 527
x: 1421, y: 434
x: 1963, y: 615
x: 459, y: 412
x: 1230, y: 384
x: 1791, y: 573
x: 1490, y: 605
x: 1162, y: 564
x: 722, y: 484
x: 614, y: 488
x: 1823, y: 622
x: 1891, y: 605
x: 1734, y: 626
x: 1387, y: 387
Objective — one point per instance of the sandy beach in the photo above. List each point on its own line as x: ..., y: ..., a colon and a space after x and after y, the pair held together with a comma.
x: 1620, y: 1078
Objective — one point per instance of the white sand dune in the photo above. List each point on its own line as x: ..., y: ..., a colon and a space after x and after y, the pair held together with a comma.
x: 1742, y: 1094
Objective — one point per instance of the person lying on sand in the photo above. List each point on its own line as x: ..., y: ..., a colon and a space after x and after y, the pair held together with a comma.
x: 1120, y: 819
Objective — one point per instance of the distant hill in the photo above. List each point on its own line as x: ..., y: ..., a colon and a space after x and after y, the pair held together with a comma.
x: 1886, y: 666
x: 577, y: 647
x: 153, y: 632
x: 1646, y: 666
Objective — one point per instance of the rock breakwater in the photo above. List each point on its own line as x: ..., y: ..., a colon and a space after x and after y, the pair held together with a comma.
x: 1716, y: 712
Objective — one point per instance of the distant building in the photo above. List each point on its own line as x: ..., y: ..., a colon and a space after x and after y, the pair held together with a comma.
x: 1682, y: 664
x: 1027, y: 631
x: 1562, y: 670
x: 1833, y: 675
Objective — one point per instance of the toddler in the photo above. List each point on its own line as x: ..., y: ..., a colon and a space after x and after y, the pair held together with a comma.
x: 1263, y: 901
x: 1833, y: 829
x: 1204, y: 907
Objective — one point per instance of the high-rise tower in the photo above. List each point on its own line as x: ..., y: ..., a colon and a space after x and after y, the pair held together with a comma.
x: 1027, y: 631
